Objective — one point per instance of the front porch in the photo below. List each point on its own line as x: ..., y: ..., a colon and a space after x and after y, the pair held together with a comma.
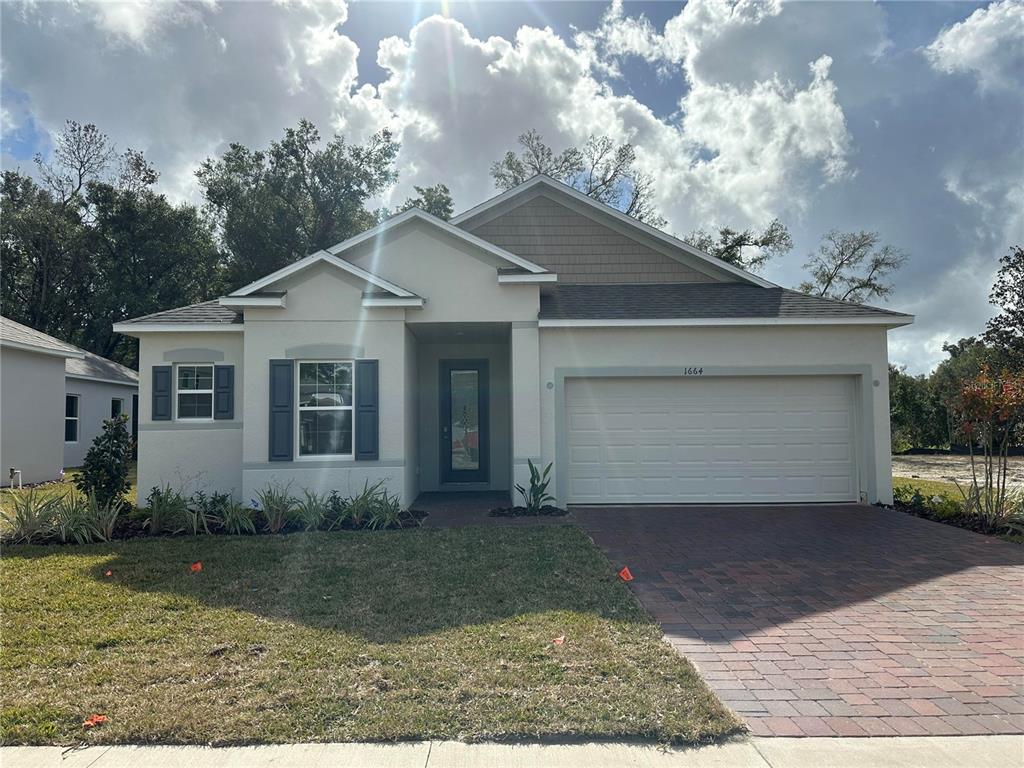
x: 461, y: 432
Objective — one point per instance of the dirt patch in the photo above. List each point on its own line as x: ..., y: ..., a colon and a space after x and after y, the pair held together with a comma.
x: 948, y: 467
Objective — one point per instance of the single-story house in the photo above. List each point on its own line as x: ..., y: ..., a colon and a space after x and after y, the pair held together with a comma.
x: 540, y: 325
x: 96, y: 389
x: 53, y: 400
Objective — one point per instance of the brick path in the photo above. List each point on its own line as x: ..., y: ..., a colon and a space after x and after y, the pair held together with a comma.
x: 843, y: 620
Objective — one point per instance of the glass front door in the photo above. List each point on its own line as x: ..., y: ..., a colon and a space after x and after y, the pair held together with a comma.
x: 464, y: 437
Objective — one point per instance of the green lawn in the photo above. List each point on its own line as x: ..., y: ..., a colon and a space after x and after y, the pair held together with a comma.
x: 67, y: 485
x: 928, y: 487
x: 335, y: 637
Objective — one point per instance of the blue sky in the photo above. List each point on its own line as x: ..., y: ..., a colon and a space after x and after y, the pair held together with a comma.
x: 902, y: 118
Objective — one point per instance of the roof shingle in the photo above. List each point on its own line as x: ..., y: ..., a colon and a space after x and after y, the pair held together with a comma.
x: 22, y: 335
x: 203, y: 312
x: 693, y: 301
x: 96, y: 367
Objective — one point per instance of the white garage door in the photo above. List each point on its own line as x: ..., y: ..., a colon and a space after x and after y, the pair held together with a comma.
x: 711, y: 440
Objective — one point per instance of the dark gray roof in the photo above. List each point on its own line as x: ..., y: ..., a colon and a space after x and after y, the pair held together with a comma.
x: 23, y: 336
x: 203, y: 312
x: 692, y: 301
x: 96, y: 367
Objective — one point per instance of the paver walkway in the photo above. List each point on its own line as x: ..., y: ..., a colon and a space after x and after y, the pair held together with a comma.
x: 833, y: 620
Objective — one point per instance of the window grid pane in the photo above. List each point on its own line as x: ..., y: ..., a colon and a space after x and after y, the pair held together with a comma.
x: 70, y: 430
x: 71, y: 406
x: 325, y: 408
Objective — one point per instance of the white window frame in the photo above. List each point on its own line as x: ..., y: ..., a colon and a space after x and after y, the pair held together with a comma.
x: 178, y: 391
x: 117, y: 400
x: 77, y: 418
x: 299, y: 409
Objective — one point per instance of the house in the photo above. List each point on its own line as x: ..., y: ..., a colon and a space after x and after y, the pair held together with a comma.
x: 53, y: 400
x: 540, y: 325
x: 96, y: 389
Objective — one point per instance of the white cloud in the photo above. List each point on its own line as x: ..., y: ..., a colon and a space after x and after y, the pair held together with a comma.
x: 135, y: 22
x: 989, y: 43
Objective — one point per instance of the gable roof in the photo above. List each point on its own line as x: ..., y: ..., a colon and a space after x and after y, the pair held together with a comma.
x: 560, y: 188
x: 678, y: 303
x: 95, y: 367
x: 18, y: 336
x: 330, y: 255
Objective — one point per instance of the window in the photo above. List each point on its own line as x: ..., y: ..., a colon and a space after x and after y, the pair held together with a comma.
x: 116, y: 407
x: 325, y: 408
x: 70, y: 418
x: 195, y: 392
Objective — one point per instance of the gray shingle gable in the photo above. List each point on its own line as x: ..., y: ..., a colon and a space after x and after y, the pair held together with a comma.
x: 203, y: 312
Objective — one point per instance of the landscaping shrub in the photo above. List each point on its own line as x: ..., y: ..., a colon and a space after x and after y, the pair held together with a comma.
x: 386, y: 512
x: 278, y: 507
x: 938, y: 506
x: 105, y: 470
x: 311, y: 510
x: 167, y: 511
x: 72, y: 519
x: 202, y: 511
x: 104, y: 518
x: 536, y: 497
x: 31, y: 517
x: 360, y: 508
x: 236, y: 518
x: 337, y: 511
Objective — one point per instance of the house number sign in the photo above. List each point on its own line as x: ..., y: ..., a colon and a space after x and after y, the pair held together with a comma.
x: 693, y: 371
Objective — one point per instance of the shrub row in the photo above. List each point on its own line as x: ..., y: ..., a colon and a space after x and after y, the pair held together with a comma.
x: 35, y: 518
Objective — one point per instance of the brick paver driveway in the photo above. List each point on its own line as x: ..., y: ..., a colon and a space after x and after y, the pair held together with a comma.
x: 842, y: 620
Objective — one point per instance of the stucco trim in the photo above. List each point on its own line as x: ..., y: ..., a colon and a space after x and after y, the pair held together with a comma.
x: 253, y: 301
x: 864, y: 430
x: 185, y: 426
x: 193, y: 355
x: 130, y: 329
x: 523, y: 324
x: 284, y: 466
x: 548, y: 277
x: 324, y: 351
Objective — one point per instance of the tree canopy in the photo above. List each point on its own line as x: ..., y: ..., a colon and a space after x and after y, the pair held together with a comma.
x: 747, y: 248
x: 852, y: 266
x: 599, y: 169
x: 1006, y: 329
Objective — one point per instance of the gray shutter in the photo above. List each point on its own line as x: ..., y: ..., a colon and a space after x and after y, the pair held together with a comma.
x: 161, y: 393
x: 367, y: 420
x: 223, y: 392
x: 282, y: 420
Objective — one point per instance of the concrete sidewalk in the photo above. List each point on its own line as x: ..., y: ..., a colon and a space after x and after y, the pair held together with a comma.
x: 886, y: 752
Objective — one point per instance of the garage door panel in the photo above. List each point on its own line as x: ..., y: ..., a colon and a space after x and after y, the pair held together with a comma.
x: 741, y: 439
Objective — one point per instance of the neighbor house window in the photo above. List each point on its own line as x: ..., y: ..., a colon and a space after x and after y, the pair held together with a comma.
x: 70, y: 418
x: 325, y: 408
x: 116, y: 407
x: 195, y: 391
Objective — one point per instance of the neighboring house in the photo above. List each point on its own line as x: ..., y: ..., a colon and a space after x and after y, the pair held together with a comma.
x: 539, y: 325
x: 53, y: 399
x: 96, y: 389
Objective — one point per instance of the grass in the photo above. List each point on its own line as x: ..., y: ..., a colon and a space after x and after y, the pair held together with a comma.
x: 67, y: 485
x: 928, y: 487
x: 337, y: 637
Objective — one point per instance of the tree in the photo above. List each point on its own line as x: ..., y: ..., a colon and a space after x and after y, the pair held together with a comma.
x: 105, y: 470
x: 94, y: 244
x: 272, y: 207
x: 435, y: 200
x: 1006, y: 329
x: 733, y: 246
x: 599, y: 169
x: 852, y: 266
x: 918, y: 417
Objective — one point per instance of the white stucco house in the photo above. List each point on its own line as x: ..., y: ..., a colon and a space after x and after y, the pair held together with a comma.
x: 53, y: 400
x: 538, y: 325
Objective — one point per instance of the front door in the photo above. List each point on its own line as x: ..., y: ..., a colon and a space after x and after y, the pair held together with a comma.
x: 465, y: 441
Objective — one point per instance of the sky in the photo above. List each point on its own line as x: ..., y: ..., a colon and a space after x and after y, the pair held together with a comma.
x: 900, y: 118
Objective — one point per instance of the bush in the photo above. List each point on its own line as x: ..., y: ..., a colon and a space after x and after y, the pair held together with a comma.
x: 311, y: 510
x: 167, y: 511
x: 278, y: 507
x: 31, y: 518
x: 386, y: 512
x: 939, y: 505
x: 201, y: 511
x: 235, y: 518
x: 104, y: 518
x: 72, y: 520
x: 105, y: 471
x: 536, y: 496
x: 360, y: 508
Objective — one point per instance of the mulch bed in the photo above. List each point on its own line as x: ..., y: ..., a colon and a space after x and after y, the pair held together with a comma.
x: 967, y: 522
x: 545, y: 511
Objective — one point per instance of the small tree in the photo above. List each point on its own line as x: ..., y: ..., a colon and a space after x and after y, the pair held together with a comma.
x: 990, y: 408
x: 105, y: 472
x: 852, y: 266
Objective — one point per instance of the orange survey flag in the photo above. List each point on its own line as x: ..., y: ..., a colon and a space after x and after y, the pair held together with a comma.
x: 625, y: 575
x: 196, y: 567
x: 93, y: 720
x: 109, y: 573
x: 559, y: 640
